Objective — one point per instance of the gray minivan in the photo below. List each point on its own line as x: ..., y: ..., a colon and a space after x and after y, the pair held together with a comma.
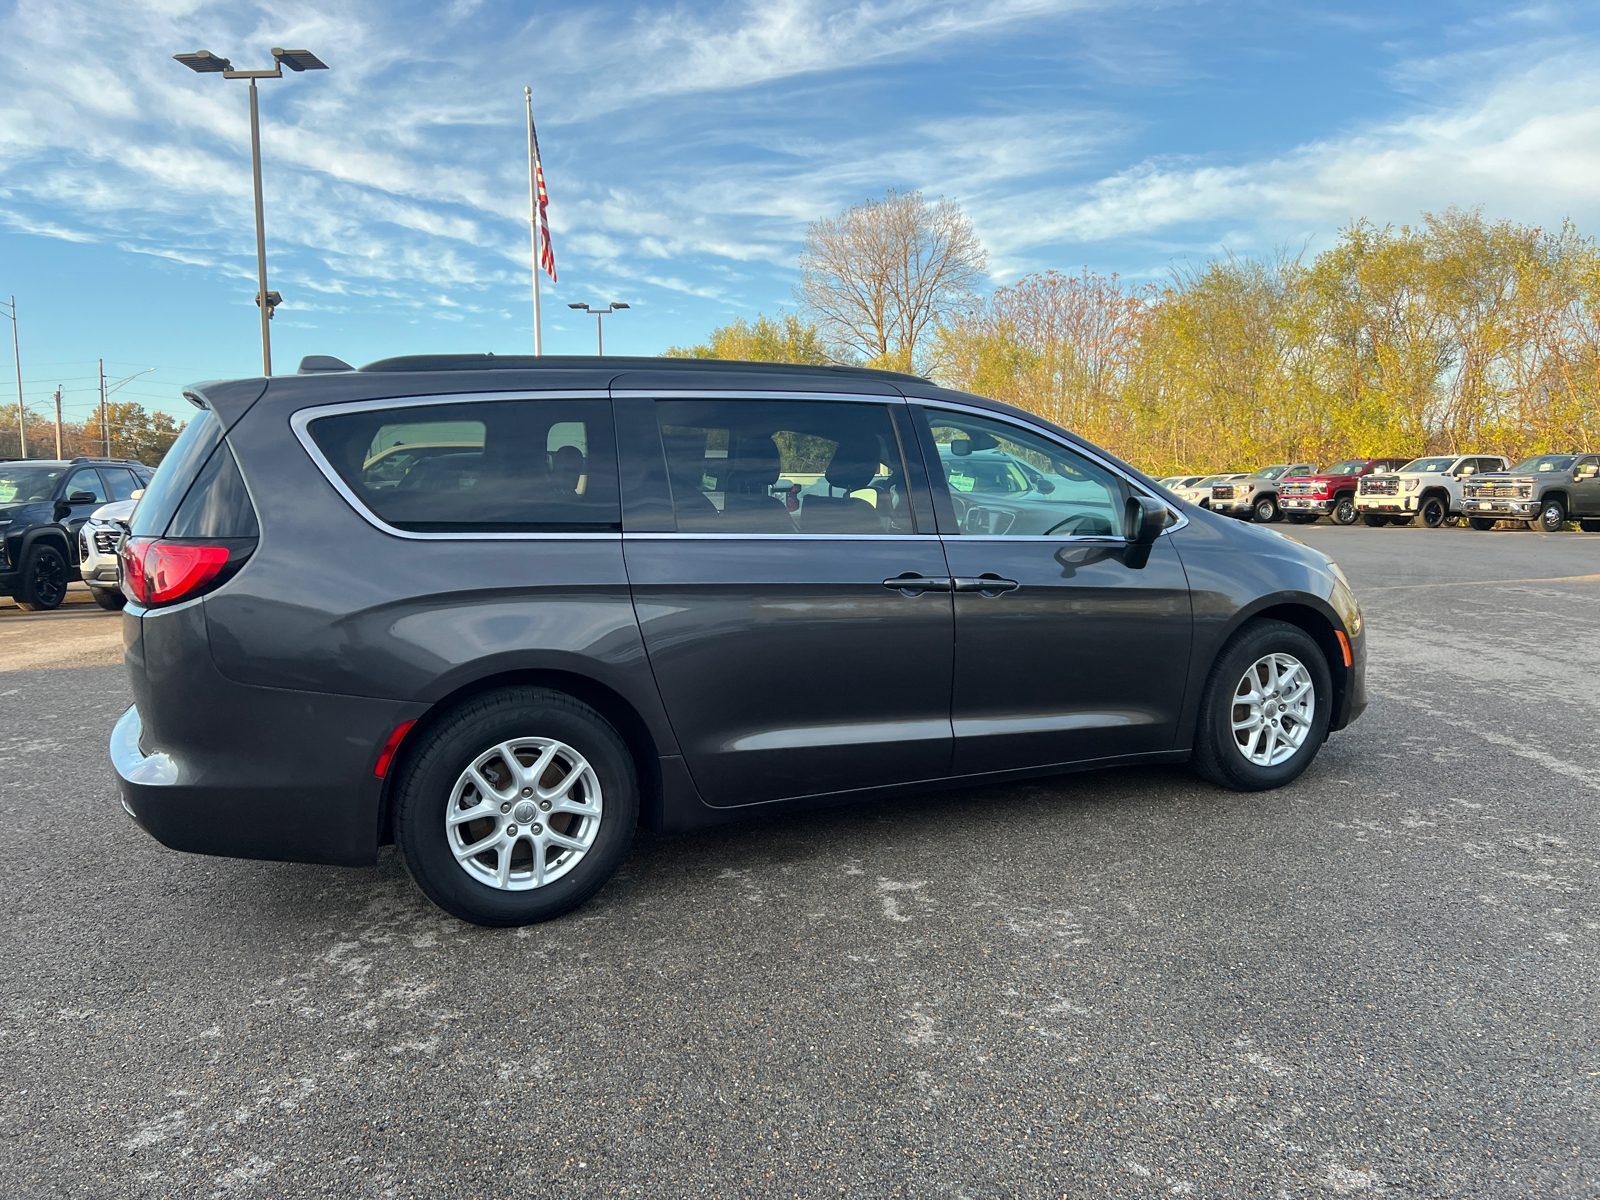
x: 501, y: 611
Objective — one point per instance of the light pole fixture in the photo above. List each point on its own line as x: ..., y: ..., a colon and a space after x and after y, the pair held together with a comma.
x: 599, y: 335
x: 206, y: 63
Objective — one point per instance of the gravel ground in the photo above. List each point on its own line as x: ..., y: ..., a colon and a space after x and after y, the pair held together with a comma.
x: 1380, y: 980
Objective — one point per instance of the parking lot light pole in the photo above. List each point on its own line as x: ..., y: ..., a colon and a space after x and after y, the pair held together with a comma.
x: 599, y: 335
x: 206, y: 63
x: 16, y: 354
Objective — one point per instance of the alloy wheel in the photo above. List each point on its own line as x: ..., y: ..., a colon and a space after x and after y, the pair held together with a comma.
x: 47, y: 578
x: 1552, y: 517
x: 1345, y: 511
x: 524, y: 813
x: 1273, y: 705
x: 1433, y: 512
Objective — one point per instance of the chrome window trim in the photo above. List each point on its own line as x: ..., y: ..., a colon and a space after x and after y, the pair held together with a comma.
x: 656, y: 536
x: 1007, y: 418
x: 722, y: 394
x: 300, y: 422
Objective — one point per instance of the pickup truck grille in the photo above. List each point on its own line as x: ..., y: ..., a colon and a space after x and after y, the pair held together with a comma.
x: 105, y: 540
x: 1222, y: 493
x: 1301, y: 489
x: 1499, y: 491
x: 1380, y: 487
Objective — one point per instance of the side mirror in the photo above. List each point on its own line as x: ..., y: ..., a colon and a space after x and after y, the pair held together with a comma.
x: 82, y: 498
x: 1044, y: 487
x: 961, y: 447
x: 1587, y: 472
x: 136, y: 494
x: 1144, y: 517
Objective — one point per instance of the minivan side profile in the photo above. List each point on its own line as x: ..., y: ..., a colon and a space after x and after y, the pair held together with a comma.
x: 502, y: 611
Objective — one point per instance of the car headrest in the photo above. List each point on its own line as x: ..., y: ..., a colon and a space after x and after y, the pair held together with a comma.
x: 757, y: 466
x: 854, y: 464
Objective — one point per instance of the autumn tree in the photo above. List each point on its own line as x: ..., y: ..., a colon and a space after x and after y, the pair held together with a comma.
x: 881, y: 277
x: 135, y: 432
x: 786, y: 339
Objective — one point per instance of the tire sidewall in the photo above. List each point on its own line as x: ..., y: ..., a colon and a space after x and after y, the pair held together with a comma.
x: 429, y: 776
x: 1544, y: 523
x: 26, y: 596
x: 1345, y: 512
x: 1253, y: 642
x: 1270, y: 506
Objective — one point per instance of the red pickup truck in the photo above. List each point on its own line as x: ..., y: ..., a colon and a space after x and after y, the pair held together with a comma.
x: 1331, y: 494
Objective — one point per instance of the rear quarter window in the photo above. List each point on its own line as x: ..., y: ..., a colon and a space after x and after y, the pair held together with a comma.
x: 503, y: 466
x: 175, y: 475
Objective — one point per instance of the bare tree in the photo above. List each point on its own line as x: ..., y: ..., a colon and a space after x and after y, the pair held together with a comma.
x: 880, y: 278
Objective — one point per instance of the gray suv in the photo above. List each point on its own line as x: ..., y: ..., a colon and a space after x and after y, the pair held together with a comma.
x: 502, y: 611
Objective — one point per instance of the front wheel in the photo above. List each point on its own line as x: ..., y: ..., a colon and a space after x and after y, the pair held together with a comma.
x: 1434, y: 511
x: 44, y: 580
x: 110, y: 599
x: 1374, y: 520
x: 1481, y: 523
x: 516, y: 807
x: 1552, y: 516
x: 1345, y: 511
x: 1266, y: 510
x: 1265, y: 710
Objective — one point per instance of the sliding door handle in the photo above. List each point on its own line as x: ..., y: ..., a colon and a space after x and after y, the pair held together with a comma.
x: 912, y: 584
x: 986, y: 585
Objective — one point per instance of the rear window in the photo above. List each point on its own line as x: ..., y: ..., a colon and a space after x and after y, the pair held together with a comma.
x: 217, y: 506
x: 177, y: 471
x: 503, y: 466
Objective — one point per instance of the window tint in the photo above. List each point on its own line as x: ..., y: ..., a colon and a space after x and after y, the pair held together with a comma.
x: 177, y: 471
x: 1008, y: 482
x: 760, y: 466
x: 505, y: 466
x: 217, y: 506
x: 85, y: 480
x: 123, y: 483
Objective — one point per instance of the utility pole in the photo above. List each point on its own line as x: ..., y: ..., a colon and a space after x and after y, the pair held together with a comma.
x: 58, y: 420
x: 16, y: 354
x: 105, y: 430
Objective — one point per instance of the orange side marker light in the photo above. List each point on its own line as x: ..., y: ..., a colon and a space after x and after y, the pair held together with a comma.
x: 1344, y: 644
x: 399, y: 735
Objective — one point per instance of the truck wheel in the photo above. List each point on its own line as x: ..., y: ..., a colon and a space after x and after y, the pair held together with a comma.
x: 1589, y: 525
x: 1453, y: 520
x: 44, y: 580
x: 1302, y: 518
x: 1552, y: 516
x: 1345, y: 511
x: 1266, y: 510
x: 110, y: 599
x: 1434, y: 512
x: 1374, y: 520
x: 1401, y: 520
x: 1265, y: 710
x: 1481, y: 523
x: 516, y: 807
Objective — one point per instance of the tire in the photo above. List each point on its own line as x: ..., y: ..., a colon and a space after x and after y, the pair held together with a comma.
x: 1218, y: 756
x: 1454, y: 520
x: 1590, y: 525
x: 1302, y: 519
x: 1401, y: 520
x: 1481, y: 523
x: 600, y: 780
x: 1345, y: 511
x: 1552, y: 517
x: 1433, y: 512
x: 44, y: 580
x: 110, y: 599
x: 1266, y: 510
x: 1374, y: 520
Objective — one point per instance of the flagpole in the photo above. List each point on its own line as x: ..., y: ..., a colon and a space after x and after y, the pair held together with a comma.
x: 533, y: 228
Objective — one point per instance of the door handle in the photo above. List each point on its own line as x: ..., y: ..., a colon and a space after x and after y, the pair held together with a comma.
x: 987, y: 584
x: 912, y: 584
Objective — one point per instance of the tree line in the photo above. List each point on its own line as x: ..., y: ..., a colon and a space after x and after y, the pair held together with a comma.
x: 135, y: 433
x: 1457, y: 334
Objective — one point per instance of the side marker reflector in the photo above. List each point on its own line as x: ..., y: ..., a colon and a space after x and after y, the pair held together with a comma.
x: 1344, y: 644
x: 386, y: 756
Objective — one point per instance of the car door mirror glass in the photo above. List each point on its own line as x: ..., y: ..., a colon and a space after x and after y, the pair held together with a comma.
x: 81, y: 498
x: 1043, y: 486
x: 136, y: 494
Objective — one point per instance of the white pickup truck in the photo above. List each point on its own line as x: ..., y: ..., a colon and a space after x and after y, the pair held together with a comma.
x: 1425, y: 487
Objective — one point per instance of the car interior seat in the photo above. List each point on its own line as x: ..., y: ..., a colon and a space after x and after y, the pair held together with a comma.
x: 852, y: 468
x: 748, y: 505
x: 686, y: 466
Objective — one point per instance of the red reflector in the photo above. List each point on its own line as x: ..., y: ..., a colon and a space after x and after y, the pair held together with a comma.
x: 159, y: 572
x: 1344, y: 644
x: 386, y: 756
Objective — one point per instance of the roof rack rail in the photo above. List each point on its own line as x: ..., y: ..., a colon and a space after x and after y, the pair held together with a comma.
x: 619, y: 363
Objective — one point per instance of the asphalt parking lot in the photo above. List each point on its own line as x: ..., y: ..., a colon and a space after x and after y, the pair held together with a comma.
x: 1381, y: 980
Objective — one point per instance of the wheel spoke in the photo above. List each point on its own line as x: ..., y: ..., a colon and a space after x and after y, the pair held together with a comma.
x: 563, y: 790
x: 561, y: 839
x: 529, y: 776
x: 460, y: 816
x: 502, y: 870
x: 481, y: 782
x: 1253, y: 722
x: 478, y: 847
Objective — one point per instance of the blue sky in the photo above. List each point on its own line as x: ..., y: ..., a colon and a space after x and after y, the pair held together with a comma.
x: 687, y: 146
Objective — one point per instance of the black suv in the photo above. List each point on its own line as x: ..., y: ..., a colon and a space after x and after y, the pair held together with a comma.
x: 43, y: 504
x: 503, y: 610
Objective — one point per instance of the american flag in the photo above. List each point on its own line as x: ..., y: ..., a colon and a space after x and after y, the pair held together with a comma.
x: 547, y: 258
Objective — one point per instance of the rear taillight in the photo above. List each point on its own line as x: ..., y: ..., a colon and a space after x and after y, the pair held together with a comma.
x: 160, y: 572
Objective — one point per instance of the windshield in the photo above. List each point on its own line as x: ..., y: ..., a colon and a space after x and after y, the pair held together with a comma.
x: 1428, y: 466
x: 20, y: 485
x: 1354, y: 467
x: 1276, y: 472
x: 1546, y: 462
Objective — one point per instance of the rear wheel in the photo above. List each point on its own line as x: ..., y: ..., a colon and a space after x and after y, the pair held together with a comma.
x: 1266, y: 510
x: 1345, y: 511
x: 1302, y: 518
x: 516, y: 807
x: 1589, y: 525
x: 1401, y: 520
x: 1265, y: 710
x: 44, y: 580
x: 1434, y: 511
x: 109, y: 599
x: 1552, y: 516
x: 1374, y: 520
x: 1481, y: 523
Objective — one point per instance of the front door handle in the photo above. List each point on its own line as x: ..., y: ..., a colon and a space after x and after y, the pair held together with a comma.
x: 987, y: 584
x: 912, y: 584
